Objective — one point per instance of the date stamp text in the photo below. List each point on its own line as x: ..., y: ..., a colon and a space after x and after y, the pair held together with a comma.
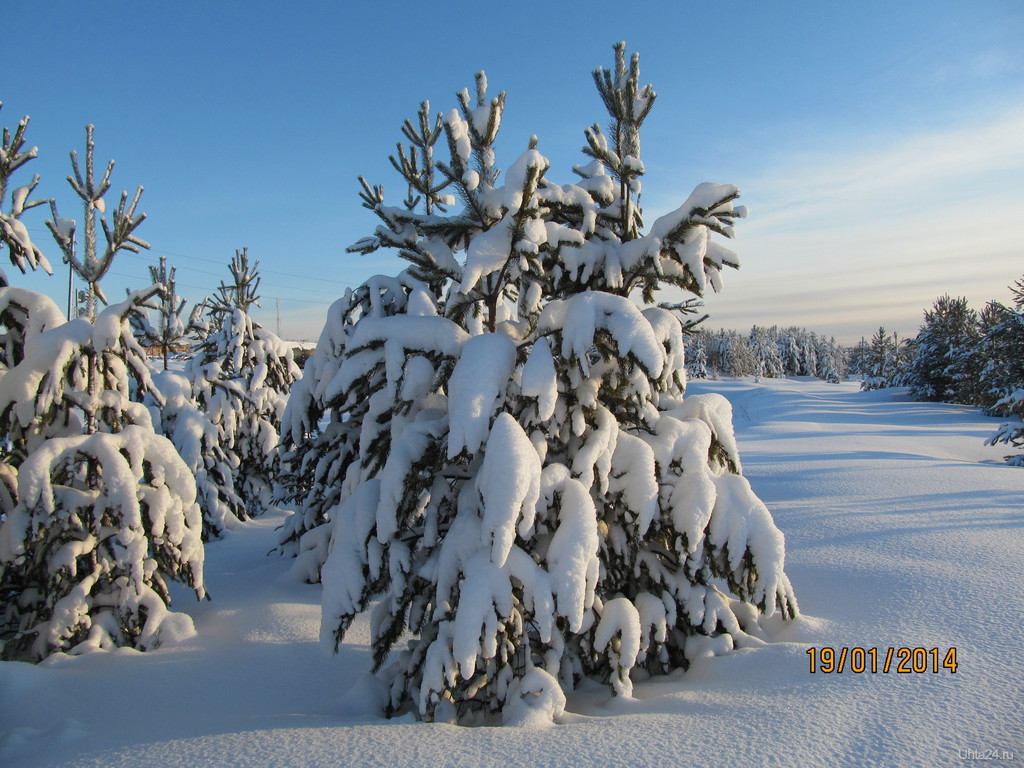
x: 903, y: 661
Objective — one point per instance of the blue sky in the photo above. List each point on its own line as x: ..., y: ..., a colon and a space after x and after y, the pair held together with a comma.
x: 879, y: 145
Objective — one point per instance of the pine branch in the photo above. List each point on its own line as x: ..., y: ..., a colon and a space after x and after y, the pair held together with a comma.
x: 23, y: 252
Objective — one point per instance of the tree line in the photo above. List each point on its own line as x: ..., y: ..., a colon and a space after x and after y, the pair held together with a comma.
x: 765, y: 352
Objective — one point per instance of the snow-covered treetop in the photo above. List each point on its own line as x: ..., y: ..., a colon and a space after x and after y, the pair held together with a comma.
x: 90, y: 266
x: 488, y: 263
x: 78, y: 367
x: 628, y: 105
x: 241, y: 293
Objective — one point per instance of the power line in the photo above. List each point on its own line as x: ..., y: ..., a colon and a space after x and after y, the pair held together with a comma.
x: 317, y: 302
x: 146, y: 256
x: 262, y: 269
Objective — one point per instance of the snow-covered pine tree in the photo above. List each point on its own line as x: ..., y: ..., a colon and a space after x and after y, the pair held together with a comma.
x: 881, y: 363
x: 1003, y: 379
x: 530, y: 499
x: 857, y: 358
x: 831, y: 360
x: 97, y: 512
x: 808, y: 352
x: 171, y: 326
x: 998, y: 358
x: 105, y: 511
x: 789, y: 351
x: 696, y: 355
x: 13, y: 233
x: 764, y: 344
x: 241, y: 374
x: 946, y: 364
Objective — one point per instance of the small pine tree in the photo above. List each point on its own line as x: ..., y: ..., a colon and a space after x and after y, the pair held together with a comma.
x: 241, y: 374
x: 105, y: 509
x: 696, y: 356
x: 857, y: 358
x: 881, y: 362
x: 171, y: 327
x: 524, y: 491
x: 764, y: 343
x: 831, y: 361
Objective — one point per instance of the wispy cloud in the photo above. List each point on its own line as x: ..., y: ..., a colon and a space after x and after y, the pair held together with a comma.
x: 877, y: 232
x: 909, y: 172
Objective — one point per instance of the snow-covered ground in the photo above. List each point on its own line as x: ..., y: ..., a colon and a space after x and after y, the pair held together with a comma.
x: 903, y: 530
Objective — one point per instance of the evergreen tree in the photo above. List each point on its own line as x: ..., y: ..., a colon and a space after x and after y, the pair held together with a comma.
x: 881, y: 363
x: 831, y: 361
x: 241, y: 374
x: 858, y: 358
x: 105, y: 509
x: 524, y: 490
x: 945, y: 366
x: 807, y: 358
x: 789, y: 352
x: 764, y: 343
x: 1003, y: 378
x: 176, y: 413
x: 906, y: 351
x: 1001, y: 356
x: 696, y: 356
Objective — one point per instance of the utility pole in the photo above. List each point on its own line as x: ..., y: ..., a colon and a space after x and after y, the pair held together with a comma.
x: 72, y: 303
x: 71, y: 290
x: 278, y: 303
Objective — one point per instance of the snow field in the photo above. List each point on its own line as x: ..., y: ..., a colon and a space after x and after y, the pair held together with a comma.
x: 902, y: 529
